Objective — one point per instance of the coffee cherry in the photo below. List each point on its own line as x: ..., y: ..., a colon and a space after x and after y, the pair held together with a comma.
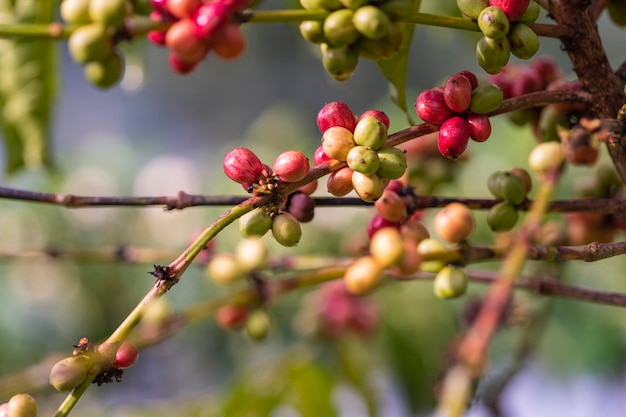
x: 251, y: 254
x: 209, y: 19
x: 479, y: 127
x: 339, y: 62
x: 493, y: 22
x: 502, y: 217
x: 336, y: 113
x: 550, y: 120
x: 309, y: 188
x: 242, y: 166
x: 183, y: 8
x: 392, y: 162
x: 514, y: 9
x: 255, y: 223
x: 378, y: 222
x: 69, y: 373
x: 22, y: 405
x: 321, y: 4
x: 371, y: 22
x: 337, y: 142
x: 617, y: 12
x: 126, y: 355
x: 471, y: 77
x: 414, y: 230
x: 301, y: 206
x: 182, y: 40
x: 454, y: 222
x: 363, y: 159
x: 522, y: 174
x: 472, y: 8
x: 229, y: 42
x: 453, y: 137
x: 339, y: 182
x: 527, y: 81
x: 106, y: 73
x: 257, y: 324
x: 231, y: 316
x: 286, y: 229
x: 524, y: 41
x: 224, y: 269
x: 4, y: 410
x: 312, y: 31
x: 391, y: 206
x: 353, y: 4
x: 339, y: 30
x: 545, y: 157
x: 486, y: 98
x: 370, y: 132
x: 291, y: 166
x: 507, y: 186
x: 89, y: 43
x: 431, y: 248
x: 157, y: 37
x: 159, y: 6
x: 75, y: 12
x: 492, y: 54
x: 320, y: 157
x: 431, y: 107
x: 450, y: 282
x: 457, y: 93
x: 363, y: 276
x: 107, y: 12
x: 368, y: 187
x: 379, y: 115
x: 531, y: 14
x: 384, y: 48
x: 386, y: 247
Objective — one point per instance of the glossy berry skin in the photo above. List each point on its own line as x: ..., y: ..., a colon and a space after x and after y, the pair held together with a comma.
x: 336, y: 113
x: 453, y: 137
x: 126, y: 355
x: 255, y: 223
x: 457, y: 93
x: 339, y: 182
x: 337, y: 142
x: 450, y: 282
x: 391, y: 206
x: 454, y: 222
x: 431, y: 107
x: 387, y: 247
x: 242, y: 165
x: 471, y: 77
x: 229, y: 42
x: 363, y: 276
x: 286, y: 229
x: 514, y: 9
x: 209, y: 19
x: 291, y: 166
x: 378, y: 222
x: 301, y: 206
x: 363, y: 159
x: 479, y: 127
x: 493, y: 22
x: 182, y: 40
x: 379, y: 115
x: 319, y: 157
x: 68, y: 373
x: 21, y: 405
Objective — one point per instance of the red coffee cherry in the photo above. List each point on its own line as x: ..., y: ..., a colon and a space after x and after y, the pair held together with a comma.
x: 291, y: 166
x: 453, y: 137
x: 378, y: 222
x: 457, y: 93
x: 181, y: 66
x: 209, y: 19
x: 479, y: 127
x: 319, y: 157
x: 471, y: 77
x: 379, y: 115
x: 431, y: 107
x: 181, y: 39
x: 242, y: 165
x: 183, y: 8
x: 232, y: 316
x: 126, y: 355
x: 229, y: 42
x: 514, y: 9
x: 336, y: 113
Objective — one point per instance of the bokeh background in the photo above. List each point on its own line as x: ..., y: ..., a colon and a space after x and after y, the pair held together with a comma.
x: 159, y: 133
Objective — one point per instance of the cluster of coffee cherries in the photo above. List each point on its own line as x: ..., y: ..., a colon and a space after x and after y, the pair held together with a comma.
x: 511, y: 187
x: 353, y: 28
x: 100, y: 26
x: 19, y: 405
x: 360, y: 143
x: 106, y: 360
x: 505, y: 28
x: 255, y: 322
x: 460, y: 107
x: 197, y: 28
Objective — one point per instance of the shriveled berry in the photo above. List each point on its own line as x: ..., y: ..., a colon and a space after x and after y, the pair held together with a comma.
x: 75, y: 12
x: 251, y: 253
x: 363, y: 276
x: 301, y: 206
x: 363, y: 159
x: 502, y: 217
x: 286, y: 229
x: 379, y: 115
x: 224, y: 269
x: 486, y: 98
x: 126, y: 355
x: 371, y: 22
x: 479, y: 127
x: 524, y: 41
x: 22, y: 405
x: 89, y: 43
x: 255, y: 223
x: 493, y: 22
x: 339, y: 30
x: 431, y: 107
x: 378, y: 222
x: 471, y: 8
x: 106, y: 73
x: 492, y: 54
x: 514, y: 9
x: 312, y: 31
x: 457, y: 93
x: 339, y: 62
x: 391, y: 207
x: 431, y: 249
x: 107, y: 12
x: 291, y: 166
x: 336, y: 113
x: 392, y: 162
x: 370, y: 132
x: 454, y: 222
x: 339, y: 182
x: 450, y: 282
x: 69, y: 373
x: 257, y: 324
x: 368, y: 187
x: 337, y: 142
x: 242, y: 166
x: 453, y: 137
x: 387, y: 247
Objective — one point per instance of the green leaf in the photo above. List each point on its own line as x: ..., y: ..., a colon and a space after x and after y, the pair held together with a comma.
x: 26, y: 87
x: 395, y: 69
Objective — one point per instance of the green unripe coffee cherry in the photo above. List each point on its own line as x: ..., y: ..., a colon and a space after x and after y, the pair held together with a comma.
x: 107, y: 73
x: 502, y: 217
x: 75, y: 12
x: 257, y: 324
x: 371, y: 22
x: 22, y: 405
x: 251, y: 254
x: 90, y: 43
x: 370, y: 132
x: 339, y: 29
x: 472, y: 8
x: 385, y: 48
x: 353, y: 4
x: 108, y: 12
x: 392, y: 162
x: 286, y: 229
x: 69, y: 373
x: 224, y: 269
x: 363, y: 159
x: 492, y: 54
x: 531, y: 14
x: 486, y: 98
x: 431, y: 248
x: 550, y: 119
x: 493, y: 22
x: 369, y: 187
x: 340, y: 62
x: 255, y: 223
x: 507, y: 186
x: 321, y: 4
x: 524, y: 41
x: 450, y: 282
x: 312, y: 31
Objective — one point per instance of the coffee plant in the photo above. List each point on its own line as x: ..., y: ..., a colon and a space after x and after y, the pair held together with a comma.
x: 423, y: 245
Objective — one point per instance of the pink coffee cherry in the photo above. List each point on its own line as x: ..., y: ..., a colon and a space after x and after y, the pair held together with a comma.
x: 395, y: 185
x: 479, y: 127
x: 453, y: 137
x: 182, y: 67
x: 319, y: 157
x: 126, y: 355
x: 527, y: 81
x: 181, y: 39
x: 379, y: 115
x: 457, y: 93
x: 431, y: 107
x: 291, y: 166
x: 378, y: 222
x: 159, y: 5
x: 209, y: 19
x: 229, y: 42
x: 513, y: 9
x: 183, y: 8
x: 242, y: 165
x: 336, y: 113
x: 471, y: 77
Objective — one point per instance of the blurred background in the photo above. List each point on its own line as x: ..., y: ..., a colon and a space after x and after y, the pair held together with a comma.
x: 159, y: 133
